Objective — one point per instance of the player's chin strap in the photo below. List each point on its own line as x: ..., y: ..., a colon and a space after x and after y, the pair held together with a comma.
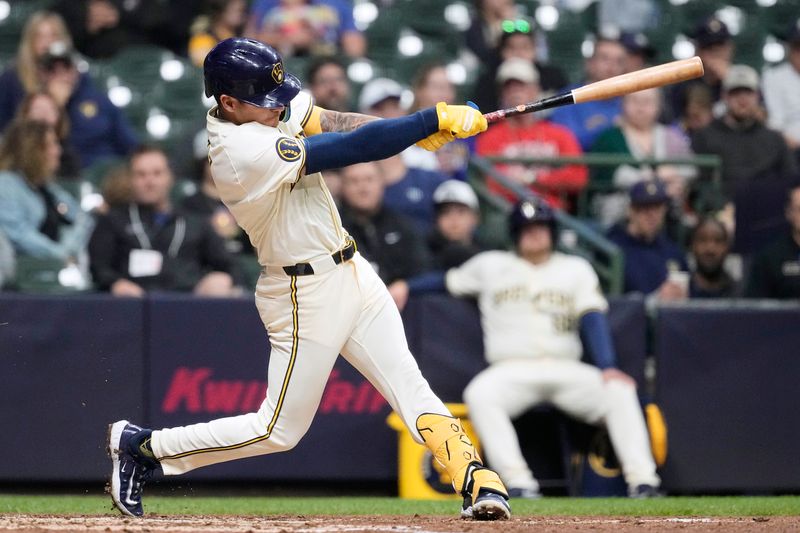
x: 451, y: 447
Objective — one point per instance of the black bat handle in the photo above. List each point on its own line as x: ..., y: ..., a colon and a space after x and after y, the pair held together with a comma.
x: 546, y: 103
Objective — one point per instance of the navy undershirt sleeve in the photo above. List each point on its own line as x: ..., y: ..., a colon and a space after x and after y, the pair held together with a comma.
x: 373, y: 141
x: 596, y: 336
x: 428, y: 282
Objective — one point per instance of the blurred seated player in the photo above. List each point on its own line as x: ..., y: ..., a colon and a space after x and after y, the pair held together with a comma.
x: 537, y: 305
x: 41, y: 219
x: 782, y: 91
x: 306, y: 27
x: 775, y: 272
x: 710, y: 245
x: 529, y: 135
x: 7, y: 261
x: 329, y: 85
x: 517, y: 39
x: 588, y: 120
x: 149, y: 245
x: 453, y: 239
x: 650, y: 256
x: 747, y: 147
x: 220, y: 20
x: 639, y: 134
x: 387, y: 239
x: 431, y: 84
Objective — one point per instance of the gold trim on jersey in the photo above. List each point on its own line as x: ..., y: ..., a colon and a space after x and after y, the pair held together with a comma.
x: 311, y: 122
x: 281, y: 396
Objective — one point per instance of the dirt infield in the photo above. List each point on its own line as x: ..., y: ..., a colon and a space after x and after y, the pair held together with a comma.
x: 372, y: 524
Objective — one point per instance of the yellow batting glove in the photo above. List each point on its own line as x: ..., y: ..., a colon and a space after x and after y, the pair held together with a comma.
x: 436, y: 140
x: 461, y: 121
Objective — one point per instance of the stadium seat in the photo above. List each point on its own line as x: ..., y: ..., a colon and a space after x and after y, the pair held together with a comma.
x: 40, y: 276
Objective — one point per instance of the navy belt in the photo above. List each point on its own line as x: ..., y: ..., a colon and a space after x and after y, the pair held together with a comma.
x: 305, y: 269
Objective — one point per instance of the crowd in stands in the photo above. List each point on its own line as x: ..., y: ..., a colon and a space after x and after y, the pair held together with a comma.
x: 685, y: 231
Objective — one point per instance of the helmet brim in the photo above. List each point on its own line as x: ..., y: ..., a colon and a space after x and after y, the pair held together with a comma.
x: 280, y: 96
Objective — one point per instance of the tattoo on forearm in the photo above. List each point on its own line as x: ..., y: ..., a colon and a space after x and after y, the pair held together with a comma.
x: 335, y: 122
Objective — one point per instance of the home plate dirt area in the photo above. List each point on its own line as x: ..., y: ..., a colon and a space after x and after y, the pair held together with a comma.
x: 394, y: 524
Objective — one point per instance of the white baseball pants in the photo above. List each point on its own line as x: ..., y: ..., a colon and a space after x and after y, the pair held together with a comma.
x: 310, y: 320
x: 507, y: 389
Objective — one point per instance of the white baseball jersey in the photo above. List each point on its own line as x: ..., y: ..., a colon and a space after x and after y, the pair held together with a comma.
x: 251, y: 163
x: 527, y: 310
x: 340, y: 308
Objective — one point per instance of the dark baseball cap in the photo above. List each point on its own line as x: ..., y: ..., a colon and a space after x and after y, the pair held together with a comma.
x: 637, y: 43
x: 711, y: 31
x: 793, y: 33
x: 648, y: 192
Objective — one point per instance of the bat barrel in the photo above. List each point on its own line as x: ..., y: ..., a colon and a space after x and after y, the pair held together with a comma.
x: 640, y: 80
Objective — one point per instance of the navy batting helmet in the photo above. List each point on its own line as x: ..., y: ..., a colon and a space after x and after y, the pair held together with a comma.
x: 529, y: 212
x: 249, y: 71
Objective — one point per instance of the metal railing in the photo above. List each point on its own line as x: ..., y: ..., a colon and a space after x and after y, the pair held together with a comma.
x: 590, y: 243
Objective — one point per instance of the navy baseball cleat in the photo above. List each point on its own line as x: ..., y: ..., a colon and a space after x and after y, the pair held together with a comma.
x: 131, y: 469
x: 488, y: 506
x: 643, y: 492
x: 524, y: 493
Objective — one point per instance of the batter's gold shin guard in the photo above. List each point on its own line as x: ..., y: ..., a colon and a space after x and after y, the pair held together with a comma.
x: 485, y: 496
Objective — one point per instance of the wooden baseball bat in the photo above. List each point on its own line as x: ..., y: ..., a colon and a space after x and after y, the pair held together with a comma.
x: 658, y: 76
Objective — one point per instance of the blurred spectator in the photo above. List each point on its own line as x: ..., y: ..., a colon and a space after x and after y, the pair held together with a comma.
x: 714, y: 45
x: 149, y: 245
x: 24, y: 75
x: 409, y: 191
x: 453, y: 241
x: 381, y: 97
x: 100, y: 28
x: 589, y: 120
x: 7, y: 261
x: 221, y: 20
x: 386, y: 239
x: 697, y: 112
x: 641, y: 136
x: 518, y: 40
x: 747, y: 147
x: 775, y: 271
x: 782, y: 92
x: 98, y: 129
x: 303, y: 27
x: 42, y: 107
x: 528, y: 135
x: 329, y: 84
x: 653, y: 263
x: 431, y: 86
x: 710, y: 244
x: 39, y: 217
x: 484, y: 33
x: 639, y: 52
x: 116, y: 188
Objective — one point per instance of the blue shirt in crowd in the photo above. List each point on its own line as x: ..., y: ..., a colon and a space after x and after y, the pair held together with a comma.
x: 647, y: 263
x: 588, y: 120
x: 343, y: 8
x: 412, y: 196
x: 98, y: 129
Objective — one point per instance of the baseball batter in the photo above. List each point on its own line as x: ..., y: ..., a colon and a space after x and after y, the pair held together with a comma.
x: 535, y: 305
x: 316, y: 296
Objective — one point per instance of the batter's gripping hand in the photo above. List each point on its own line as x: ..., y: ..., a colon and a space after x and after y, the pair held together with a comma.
x: 461, y: 121
x: 436, y: 140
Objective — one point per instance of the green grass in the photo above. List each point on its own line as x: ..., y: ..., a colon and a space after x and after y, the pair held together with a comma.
x: 259, y: 506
